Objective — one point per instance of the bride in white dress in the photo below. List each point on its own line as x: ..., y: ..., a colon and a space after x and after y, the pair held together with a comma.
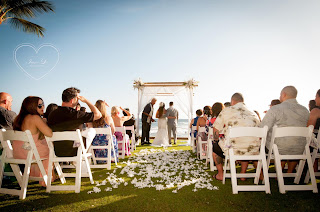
x: 161, y: 138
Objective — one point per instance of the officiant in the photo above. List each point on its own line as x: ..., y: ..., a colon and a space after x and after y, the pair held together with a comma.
x: 146, y: 121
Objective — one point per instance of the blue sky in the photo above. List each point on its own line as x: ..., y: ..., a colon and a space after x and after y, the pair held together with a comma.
x: 252, y: 47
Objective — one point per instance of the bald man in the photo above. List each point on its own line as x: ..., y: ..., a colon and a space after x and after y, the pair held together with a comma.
x: 6, y: 115
x: 287, y: 114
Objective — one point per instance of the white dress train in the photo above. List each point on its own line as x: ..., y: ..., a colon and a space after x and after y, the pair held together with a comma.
x: 161, y: 138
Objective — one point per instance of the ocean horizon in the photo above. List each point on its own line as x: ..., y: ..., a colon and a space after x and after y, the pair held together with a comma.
x: 182, y: 128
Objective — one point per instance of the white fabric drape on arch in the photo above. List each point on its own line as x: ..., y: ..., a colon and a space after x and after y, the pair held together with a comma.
x: 182, y: 96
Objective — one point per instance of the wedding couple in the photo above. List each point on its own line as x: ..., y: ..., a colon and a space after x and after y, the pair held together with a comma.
x: 167, y: 123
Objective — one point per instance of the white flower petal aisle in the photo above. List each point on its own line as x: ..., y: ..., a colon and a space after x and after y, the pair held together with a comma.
x: 154, y: 168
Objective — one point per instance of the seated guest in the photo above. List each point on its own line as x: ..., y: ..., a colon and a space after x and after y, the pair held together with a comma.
x: 83, y: 109
x: 227, y: 104
x: 101, y: 140
x: 195, y: 121
x: 237, y: 115
x: 29, y: 118
x: 202, y: 122
x: 118, y: 122
x: 273, y: 103
x: 258, y: 115
x: 288, y: 113
x: 67, y: 118
x: 207, y: 112
x: 312, y: 104
x: 314, y: 119
x: 6, y: 115
x: 215, y: 111
x: 51, y: 107
x: 130, y: 122
x: 78, y: 107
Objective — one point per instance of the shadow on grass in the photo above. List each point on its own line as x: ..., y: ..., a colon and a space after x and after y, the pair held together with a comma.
x: 130, y: 198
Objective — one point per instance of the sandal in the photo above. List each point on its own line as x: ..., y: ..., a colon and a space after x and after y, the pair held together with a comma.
x: 215, y: 177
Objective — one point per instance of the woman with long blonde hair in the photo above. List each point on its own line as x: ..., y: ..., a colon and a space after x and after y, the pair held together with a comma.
x: 101, y: 140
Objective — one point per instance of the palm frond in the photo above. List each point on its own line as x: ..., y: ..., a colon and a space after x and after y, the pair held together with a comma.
x: 29, y: 8
x: 27, y: 26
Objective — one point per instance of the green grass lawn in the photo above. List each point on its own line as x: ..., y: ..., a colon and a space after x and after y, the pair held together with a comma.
x: 130, y: 198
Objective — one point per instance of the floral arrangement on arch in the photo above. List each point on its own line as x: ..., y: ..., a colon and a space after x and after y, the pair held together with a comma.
x: 138, y: 84
x: 190, y: 83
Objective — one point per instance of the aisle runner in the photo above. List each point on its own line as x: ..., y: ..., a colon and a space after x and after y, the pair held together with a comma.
x: 153, y: 168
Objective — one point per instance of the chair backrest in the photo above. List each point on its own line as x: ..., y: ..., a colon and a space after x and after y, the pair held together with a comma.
x: 131, y: 128
x: 258, y: 132
x: 201, y: 129
x: 278, y: 132
x: 66, y: 136
x: 6, y: 136
x: 120, y: 129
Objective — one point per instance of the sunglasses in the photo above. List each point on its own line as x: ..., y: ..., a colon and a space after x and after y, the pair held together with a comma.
x: 41, y: 105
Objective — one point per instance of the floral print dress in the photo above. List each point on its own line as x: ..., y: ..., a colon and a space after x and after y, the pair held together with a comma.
x: 102, y: 140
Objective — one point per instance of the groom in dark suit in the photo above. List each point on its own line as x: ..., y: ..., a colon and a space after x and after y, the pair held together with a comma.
x: 146, y: 121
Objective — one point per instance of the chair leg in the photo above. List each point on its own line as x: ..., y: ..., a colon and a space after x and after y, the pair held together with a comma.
x: 299, y: 171
x: 88, y: 169
x: 233, y: 173
x: 25, y: 177
x: 225, y: 168
x: 279, y: 170
x: 312, y: 175
x: 258, y: 171
x: 265, y: 169
x: 60, y: 173
x: 114, y: 154
x: 50, y: 167
x: 2, y: 164
x: 78, y: 175
x: 313, y: 158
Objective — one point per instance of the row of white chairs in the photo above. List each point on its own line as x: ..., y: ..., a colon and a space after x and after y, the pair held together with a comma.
x: 81, y: 162
x: 264, y: 160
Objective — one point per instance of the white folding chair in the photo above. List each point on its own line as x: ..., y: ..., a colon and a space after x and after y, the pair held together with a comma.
x: 193, y: 143
x: 314, y: 155
x: 133, y: 136
x: 201, y: 145
x: 82, y: 155
x: 209, y: 150
x: 306, y: 156
x: 261, y: 158
x: 33, y: 157
x: 109, y: 148
x: 124, y: 142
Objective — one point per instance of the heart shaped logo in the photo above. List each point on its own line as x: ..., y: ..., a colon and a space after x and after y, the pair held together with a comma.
x: 36, y: 63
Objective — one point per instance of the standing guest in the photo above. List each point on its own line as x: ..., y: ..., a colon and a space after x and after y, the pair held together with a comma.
x: 51, y: 107
x: 195, y: 121
x: 314, y: 119
x: 312, y: 104
x: 173, y: 116
x: 67, y: 118
x: 130, y: 122
x: 29, y: 118
x: 237, y: 115
x: 146, y: 121
x: 118, y: 122
x: 287, y: 114
x: 105, y: 121
x: 6, y: 115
